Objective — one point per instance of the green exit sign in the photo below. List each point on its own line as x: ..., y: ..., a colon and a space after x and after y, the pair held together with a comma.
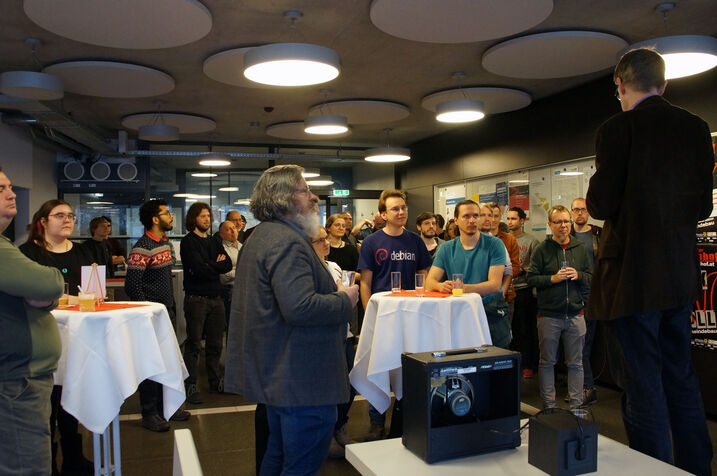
x: 340, y: 193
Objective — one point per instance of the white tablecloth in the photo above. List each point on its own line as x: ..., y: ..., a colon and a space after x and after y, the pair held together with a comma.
x: 393, y: 325
x: 105, y: 356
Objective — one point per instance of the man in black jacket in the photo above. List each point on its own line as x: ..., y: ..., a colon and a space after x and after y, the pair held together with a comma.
x: 203, y: 260
x: 654, y: 165
x: 560, y: 272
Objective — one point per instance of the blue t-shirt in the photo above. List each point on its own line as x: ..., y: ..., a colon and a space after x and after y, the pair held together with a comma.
x: 473, y: 264
x: 381, y: 254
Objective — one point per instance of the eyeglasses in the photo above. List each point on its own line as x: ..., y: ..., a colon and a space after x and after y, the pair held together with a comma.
x: 165, y: 213
x: 402, y: 208
x: 64, y: 216
x: 320, y: 240
x: 303, y: 190
x: 617, y: 93
x: 580, y: 210
x: 560, y: 222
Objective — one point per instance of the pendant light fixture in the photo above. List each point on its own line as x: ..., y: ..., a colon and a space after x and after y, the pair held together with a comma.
x: 310, y: 173
x: 388, y: 154
x: 457, y: 111
x: 291, y: 64
x: 684, y: 55
x: 214, y: 159
x: 157, y: 130
x: 320, y: 181
x: 31, y: 84
x: 325, y: 124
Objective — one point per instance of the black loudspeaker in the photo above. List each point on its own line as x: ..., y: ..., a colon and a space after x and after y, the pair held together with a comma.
x: 562, y: 444
x: 460, y: 402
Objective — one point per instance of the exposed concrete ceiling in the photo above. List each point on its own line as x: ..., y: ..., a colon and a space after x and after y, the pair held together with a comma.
x: 374, y: 65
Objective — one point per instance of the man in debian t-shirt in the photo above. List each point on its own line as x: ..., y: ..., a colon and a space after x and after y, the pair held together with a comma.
x: 392, y: 248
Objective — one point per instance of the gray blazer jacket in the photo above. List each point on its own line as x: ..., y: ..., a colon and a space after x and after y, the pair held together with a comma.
x: 288, y: 324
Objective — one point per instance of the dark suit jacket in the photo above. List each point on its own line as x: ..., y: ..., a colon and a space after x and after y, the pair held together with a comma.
x: 653, y: 183
x: 288, y: 324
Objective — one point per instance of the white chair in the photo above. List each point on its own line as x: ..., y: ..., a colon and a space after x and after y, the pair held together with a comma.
x: 186, y: 461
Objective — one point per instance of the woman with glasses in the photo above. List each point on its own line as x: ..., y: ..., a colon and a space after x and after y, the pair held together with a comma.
x: 342, y: 253
x: 340, y: 439
x: 48, y: 244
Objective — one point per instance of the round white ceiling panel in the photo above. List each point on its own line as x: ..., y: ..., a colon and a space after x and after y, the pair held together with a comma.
x: 186, y: 123
x: 457, y: 21
x: 295, y: 131
x: 555, y: 54
x: 228, y: 67
x: 110, y: 79
x: 496, y: 100
x: 133, y: 24
x: 363, y: 111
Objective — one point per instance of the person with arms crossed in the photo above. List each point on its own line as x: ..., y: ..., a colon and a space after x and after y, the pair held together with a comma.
x: 654, y: 165
x: 288, y: 326
x: 481, y: 259
x: 30, y: 347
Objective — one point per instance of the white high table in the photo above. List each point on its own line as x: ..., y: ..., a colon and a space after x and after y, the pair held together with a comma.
x: 390, y: 457
x: 396, y: 324
x: 106, y: 354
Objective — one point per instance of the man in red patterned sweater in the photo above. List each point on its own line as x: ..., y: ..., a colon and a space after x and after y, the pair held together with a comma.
x: 149, y: 278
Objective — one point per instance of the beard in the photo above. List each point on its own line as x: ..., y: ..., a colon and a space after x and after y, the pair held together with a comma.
x: 307, y: 221
x: 201, y: 228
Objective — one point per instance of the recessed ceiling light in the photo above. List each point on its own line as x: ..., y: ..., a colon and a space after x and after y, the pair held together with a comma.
x: 204, y: 174
x: 308, y: 172
x: 684, y: 55
x: 100, y: 203
x: 228, y: 189
x: 320, y: 181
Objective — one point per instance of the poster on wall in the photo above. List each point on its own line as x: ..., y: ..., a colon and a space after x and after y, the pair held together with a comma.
x: 501, y: 192
x: 518, y: 196
x: 454, y: 194
x: 704, y: 319
x: 539, y: 201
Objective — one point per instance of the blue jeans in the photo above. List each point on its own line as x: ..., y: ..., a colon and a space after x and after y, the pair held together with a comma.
x: 550, y: 331
x: 662, y: 392
x: 25, y: 426
x: 299, y: 439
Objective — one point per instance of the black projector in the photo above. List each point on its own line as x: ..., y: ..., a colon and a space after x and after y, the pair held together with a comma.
x: 462, y: 402
x: 562, y: 444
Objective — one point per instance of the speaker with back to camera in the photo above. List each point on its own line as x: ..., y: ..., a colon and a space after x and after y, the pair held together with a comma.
x: 461, y: 402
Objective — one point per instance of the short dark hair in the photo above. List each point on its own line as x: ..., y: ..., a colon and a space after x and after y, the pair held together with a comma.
x: 467, y: 201
x: 519, y: 211
x: 97, y: 221
x: 150, y: 210
x: 440, y: 221
x: 423, y: 217
x: 642, y: 68
x: 37, y: 230
x: 197, y: 207
x: 392, y: 192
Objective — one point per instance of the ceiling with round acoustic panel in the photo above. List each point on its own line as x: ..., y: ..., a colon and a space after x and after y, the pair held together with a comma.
x: 295, y: 131
x: 111, y: 79
x: 496, y: 100
x: 363, y: 111
x: 186, y: 123
x: 555, y: 54
x: 133, y: 24
x: 457, y: 21
x: 228, y: 67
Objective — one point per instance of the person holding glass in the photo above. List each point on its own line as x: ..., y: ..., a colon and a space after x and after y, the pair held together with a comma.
x: 49, y: 244
x: 340, y: 439
x: 561, y: 273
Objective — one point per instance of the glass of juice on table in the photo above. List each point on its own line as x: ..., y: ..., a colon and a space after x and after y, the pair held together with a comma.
x: 64, y: 300
x: 458, y: 285
x: 87, y: 302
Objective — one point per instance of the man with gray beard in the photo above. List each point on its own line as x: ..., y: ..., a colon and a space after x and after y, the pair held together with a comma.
x: 287, y: 328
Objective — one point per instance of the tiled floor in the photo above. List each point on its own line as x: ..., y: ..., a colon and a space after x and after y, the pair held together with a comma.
x: 223, y: 430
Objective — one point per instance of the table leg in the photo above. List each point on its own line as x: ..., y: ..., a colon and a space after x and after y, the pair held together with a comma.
x: 104, y: 466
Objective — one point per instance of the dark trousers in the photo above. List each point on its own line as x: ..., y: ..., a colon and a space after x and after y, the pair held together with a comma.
x: 661, y: 390
x: 343, y: 409
x: 227, y: 298
x: 525, y: 327
x: 299, y: 439
x: 205, y: 317
x: 588, y: 378
x: 70, y: 439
